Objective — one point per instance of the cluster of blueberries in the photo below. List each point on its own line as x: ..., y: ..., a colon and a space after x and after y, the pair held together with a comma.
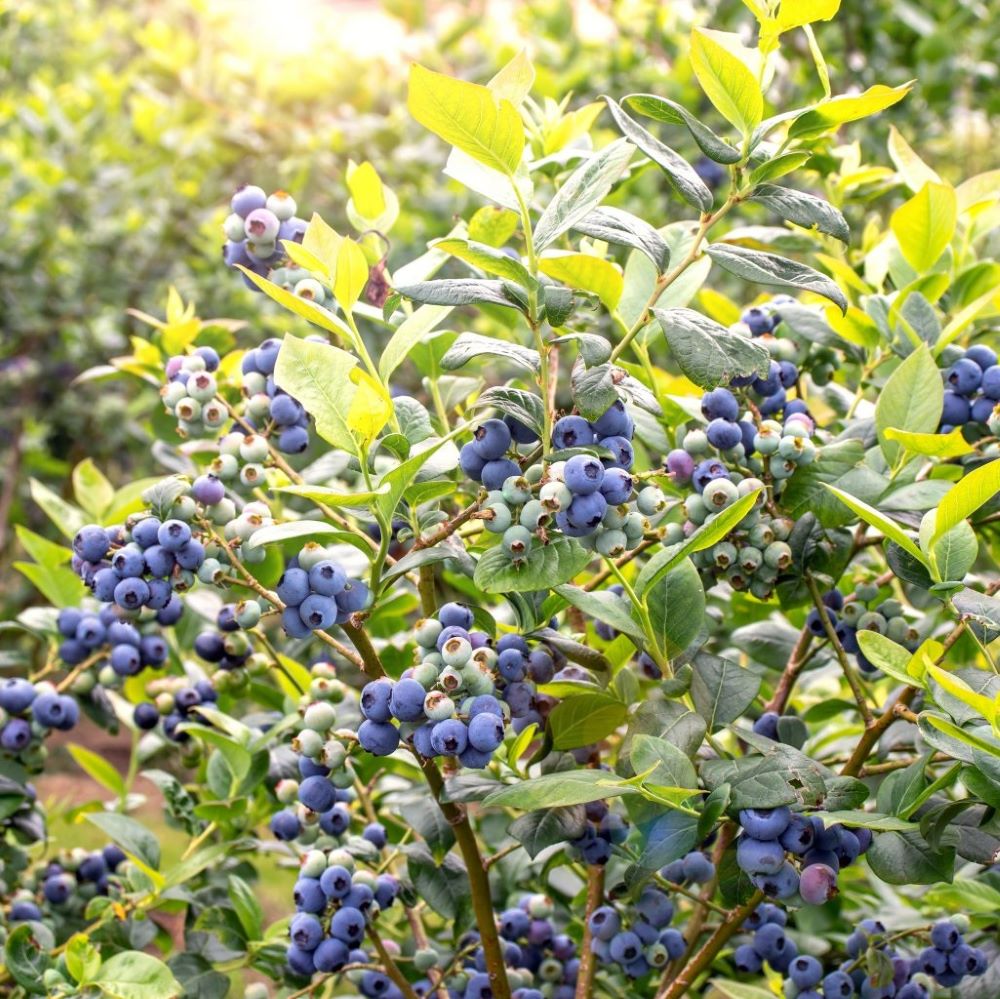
x: 29, y: 710
x: 317, y: 593
x: 227, y: 646
x: 946, y: 961
x: 174, y: 708
x: 769, y: 834
x: 756, y: 551
x: 602, y: 830
x: 855, y: 613
x: 270, y: 407
x: 973, y: 391
x: 191, y: 392
x: 66, y: 878
x: 452, y: 702
x: 335, y: 901
x: 302, y: 283
x: 128, y: 647
x: 587, y: 496
x: 140, y: 566
x: 639, y: 939
x: 254, y: 229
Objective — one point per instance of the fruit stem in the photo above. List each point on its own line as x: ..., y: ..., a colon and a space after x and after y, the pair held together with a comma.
x: 595, y: 894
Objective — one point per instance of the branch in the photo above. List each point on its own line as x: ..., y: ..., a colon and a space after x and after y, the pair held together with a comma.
x: 595, y: 894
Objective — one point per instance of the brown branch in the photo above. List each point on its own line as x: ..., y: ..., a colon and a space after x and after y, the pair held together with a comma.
x: 588, y: 963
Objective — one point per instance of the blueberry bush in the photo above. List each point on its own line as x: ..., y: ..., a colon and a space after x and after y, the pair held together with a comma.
x: 600, y: 601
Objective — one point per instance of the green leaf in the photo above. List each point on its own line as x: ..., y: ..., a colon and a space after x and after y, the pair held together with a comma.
x: 905, y: 858
x: 955, y: 551
x: 68, y: 518
x: 469, y: 117
x: 399, y: 479
x: 582, y: 192
x: 889, y: 657
x: 407, y: 335
x: 585, y: 272
x: 965, y: 497
x: 661, y: 762
x: 880, y: 522
x: 613, y: 225
x: 727, y: 80
x: 91, y: 488
x: 603, y: 605
x: 982, y: 705
x: 714, y: 529
x: 303, y: 307
x: 585, y: 718
x: 867, y: 820
x: 778, y: 167
x: 132, y: 836
x: 329, y: 496
x: 318, y: 375
x: 472, y: 345
x: 444, y: 887
x: 545, y: 566
x: 739, y: 990
x: 246, y: 907
x: 706, y: 351
x: 296, y: 529
x: 539, y: 830
x: 967, y: 895
x: 492, y: 225
x: 134, y: 975
x: 924, y: 225
x: 487, y: 259
x: 26, y: 958
x: 98, y: 768
x: 83, y: 959
x: 803, y: 209
x: 57, y: 583
x: 721, y: 690
x: 676, y: 604
x: 681, y: 175
x: 837, y: 111
x: 663, y: 109
x: 565, y: 787
x: 911, y: 400
x: 949, y: 445
x: 523, y: 406
x: 458, y: 291
x: 775, y: 272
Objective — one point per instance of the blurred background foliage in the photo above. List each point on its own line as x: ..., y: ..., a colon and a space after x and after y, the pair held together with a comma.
x: 126, y: 125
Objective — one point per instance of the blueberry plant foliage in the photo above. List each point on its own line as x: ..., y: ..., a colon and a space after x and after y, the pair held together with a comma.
x: 568, y: 628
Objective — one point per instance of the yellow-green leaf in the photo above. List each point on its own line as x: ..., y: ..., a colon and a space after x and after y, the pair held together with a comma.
x: 914, y: 171
x: 585, y: 272
x: 469, y: 117
x: 366, y: 190
x: 91, y: 488
x: 323, y: 243
x: 370, y: 407
x: 960, y: 689
x: 727, y: 81
x: 837, y: 111
x: 950, y: 445
x: 879, y: 521
x: 965, y: 498
x: 514, y: 81
x: 301, y: 306
x: 797, y: 13
x: 98, y: 768
x: 854, y: 326
x: 351, y: 276
x: 924, y: 225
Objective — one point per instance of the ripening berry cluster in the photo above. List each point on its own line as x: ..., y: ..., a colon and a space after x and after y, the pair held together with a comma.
x: 317, y: 593
x: 638, y: 938
x: 768, y: 834
x: 176, y: 699
x: 228, y: 647
x: 269, y: 408
x: 449, y: 703
x: 28, y: 711
x: 141, y: 565
x: 79, y: 875
x: 335, y: 901
x: 855, y: 613
x: 191, y: 392
x: 255, y: 228
x: 973, y: 391
x: 602, y: 830
x: 585, y: 496
x: 949, y: 958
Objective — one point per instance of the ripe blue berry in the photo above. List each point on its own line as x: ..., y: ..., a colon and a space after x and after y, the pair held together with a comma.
x: 317, y: 794
x: 586, y: 512
x: 572, y: 431
x: 407, y: 700
x: 293, y: 587
x: 805, y: 971
x: 378, y: 738
x: 491, y: 439
x: 583, y: 474
x: 964, y: 376
x: 495, y: 473
x: 955, y: 409
x: 450, y: 737
x: 697, y: 868
x: 15, y: 735
x: 57, y: 711
x: 720, y: 404
x: 757, y: 320
x: 16, y: 695
x: 756, y: 856
x: 614, y: 422
x: 145, y: 716
x: 318, y: 612
x: 622, y: 452
x: 91, y: 543
x: 173, y: 535
x: 348, y: 924
x: 945, y: 935
x: 247, y: 198
x: 485, y: 732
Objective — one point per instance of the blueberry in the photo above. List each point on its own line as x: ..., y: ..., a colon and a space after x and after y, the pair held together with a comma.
x: 771, y: 384
x: 756, y: 856
x: 838, y: 984
x: 449, y: 737
x: 572, y: 431
x: 293, y: 587
x: 471, y: 463
x: 991, y: 382
x: 57, y: 888
x: 679, y: 466
x: 122, y: 633
x: 145, y: 716
x: 706, y: 471
x: 145, y: 533
x: 16, y: 695
x: 375, y: 700
x: 625, y: 947
x: 583, y: 474
x: 783, y: 884
x: 981, y: 410
x: 247, y: 198
x: 317, y: 794
x: 93, y: 868
x: 614, y: 422
x: 331, y: 955
x: 68, y: 620
x: 173, y: 535
x: 491, y: 439
x: 485, y: 732
x: 125, y: 660
x: 187, y: 698
x: 15, y: 735
x: 697, y: 868
x: 622, y: 453
x: 955, y: 410
x: 798, y: 836
x: 945, y: 935
x: 128, y: 561
x: 208, y: 489
x: 379, y: 738
x: 496, y: 473
x: 757, y: 320
x: 723, y: 434
x: 773, y: 403
x: 747, y: 961
x: 604, y: 922
x: 91, y: 543
x: 22, y: 912
x: 655, y: 906
x: 964, y: 376
x: 586, y: 512
x: 767, y: 725
x: 318, y: 612
x: 191, y: 555
x: 519, y: 432
x: 348, y: 924
x: 159, y: 561
x: 770, y: 941
x: 765, y: 823
x: 335, y: 881
x: 805, y: 971
x: 336, y: 821
x: 305, y: 931
x: 55, y: 711
x: 407, y: 700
